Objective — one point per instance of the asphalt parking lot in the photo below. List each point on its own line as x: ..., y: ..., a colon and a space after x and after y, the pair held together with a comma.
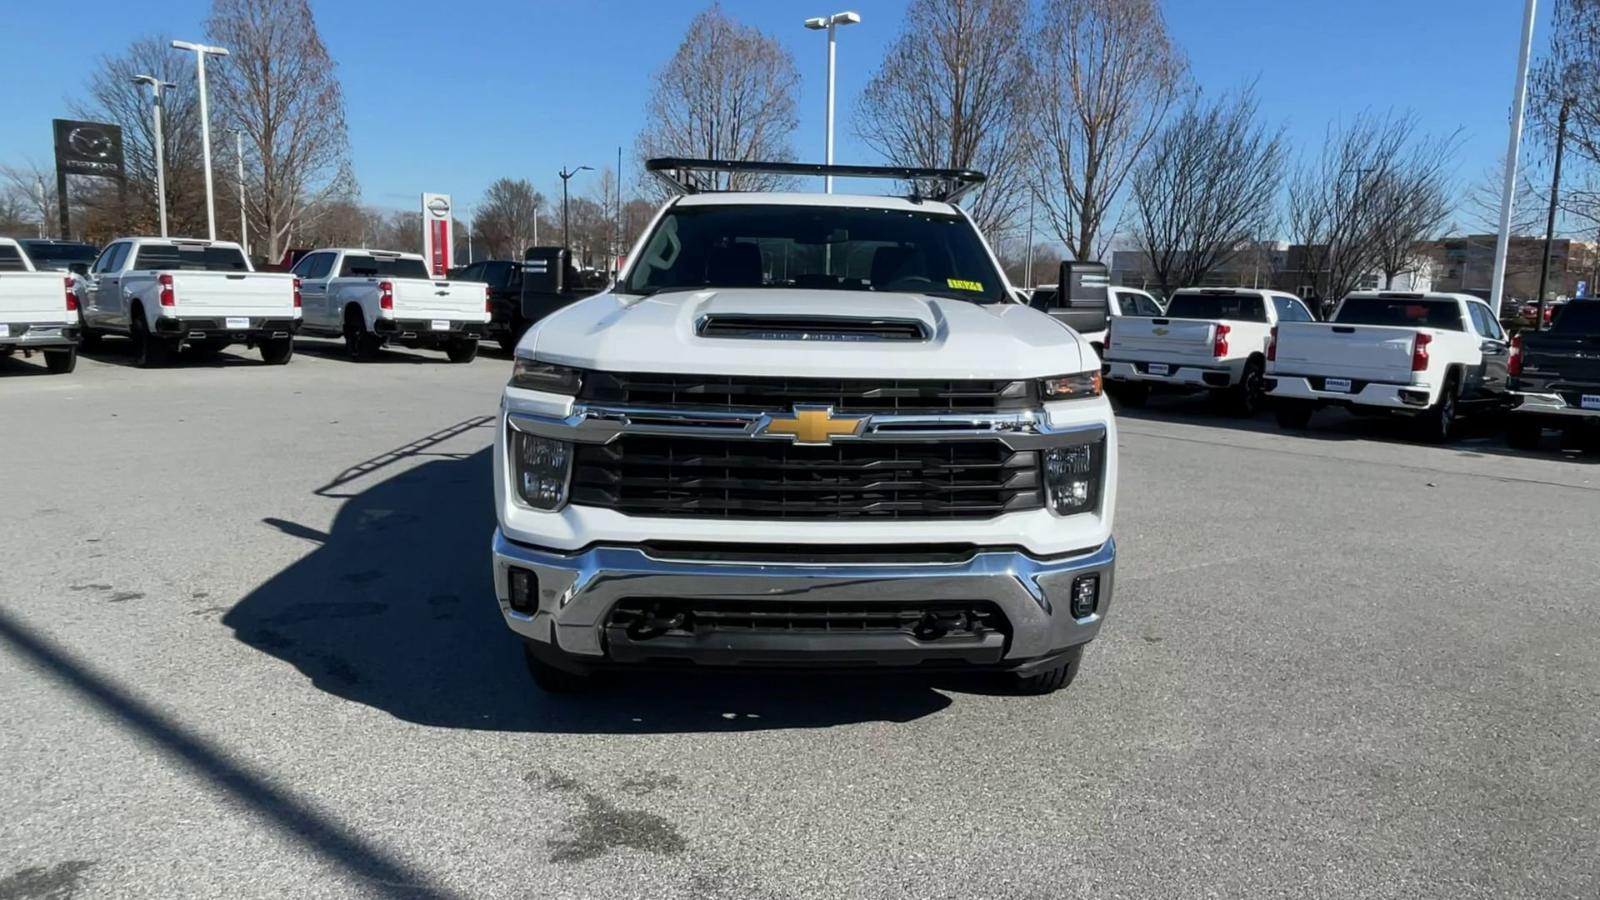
x: 249, y: 647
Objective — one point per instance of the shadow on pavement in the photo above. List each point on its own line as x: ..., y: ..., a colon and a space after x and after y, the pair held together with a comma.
x: 15, y: 365
x: 334, y: 349
x: 395, y: 608
x: 115, y: 351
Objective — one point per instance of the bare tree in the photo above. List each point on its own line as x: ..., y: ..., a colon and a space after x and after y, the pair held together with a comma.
x: 279, y: 86
x: 505, y: 219
x: 1206, y: 188
x: 32, y: 189
x: 1411, y: 205
x: 952, y: 93
x: 1105, y: 74
x: 728, y: 93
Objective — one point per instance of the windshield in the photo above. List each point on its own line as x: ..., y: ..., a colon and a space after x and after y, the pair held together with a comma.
x: 1578, y: 317
x: 194, y: 257
x: 817, y: 247
x: 358, y: 266
x: 1237, y: 307
x: 1403, y: 312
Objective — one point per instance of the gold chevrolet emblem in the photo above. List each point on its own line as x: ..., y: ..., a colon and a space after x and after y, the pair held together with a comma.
x: 813, y: 425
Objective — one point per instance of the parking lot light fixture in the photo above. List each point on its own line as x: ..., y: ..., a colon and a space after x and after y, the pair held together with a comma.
x: 566, y: 230
x: 156, y: 87
x: 830, y: 23
x: 201, y: 51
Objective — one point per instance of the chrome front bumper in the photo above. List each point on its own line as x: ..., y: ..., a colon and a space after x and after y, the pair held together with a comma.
x: 577, y: 591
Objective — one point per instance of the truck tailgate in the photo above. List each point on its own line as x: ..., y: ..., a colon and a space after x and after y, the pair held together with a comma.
x: 33, y: 297
x: 1161, y: 340
x: 1565, y: 358
x: 1365, y: 352
x: 233, y: 293
x: 418, y: 298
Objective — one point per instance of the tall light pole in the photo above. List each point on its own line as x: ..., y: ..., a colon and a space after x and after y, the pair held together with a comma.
x: 830, y: 23
x: 566, y: 229
x: 156, y: 87
x: 1513, y: 144
x: 201, y: 51
x: 238, y: 157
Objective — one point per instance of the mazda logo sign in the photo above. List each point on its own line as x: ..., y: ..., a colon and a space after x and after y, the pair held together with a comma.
x: 91, y: 143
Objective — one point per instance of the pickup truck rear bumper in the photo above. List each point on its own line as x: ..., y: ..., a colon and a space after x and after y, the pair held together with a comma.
x: 1386, y: 395
x: 1186, y: 375
x: 422, y: 330
x: 1556, y: 408
x: 38, y: 334
x: 626, y: 605
x: 209, y: 328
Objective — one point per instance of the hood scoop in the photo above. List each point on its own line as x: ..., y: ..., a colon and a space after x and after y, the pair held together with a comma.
x: 832, y: 329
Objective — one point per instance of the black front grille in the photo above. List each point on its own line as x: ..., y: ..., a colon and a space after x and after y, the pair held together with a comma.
x: 643, y: 619
x: 811, y: 328
x: 647, y: 475
x: 739, y: 392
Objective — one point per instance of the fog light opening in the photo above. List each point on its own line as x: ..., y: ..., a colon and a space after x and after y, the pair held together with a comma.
x: 1085, y: 596
x: 524, y: 590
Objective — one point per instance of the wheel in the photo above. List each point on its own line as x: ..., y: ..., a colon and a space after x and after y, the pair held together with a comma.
x: 508, y: 343
x: 1435, y: 424
x: 1131, y: 395
x: 1244, y: 398
x: 1295, y: 414
x: 277, y: 351
x: 61, y: 361
x: 553, y: 680
x: 461, y: 351
x: 1522, y: 435
x: 88, y: 338
x: 358, y: 341
x: 1047, y: 682
x: 149, y: 351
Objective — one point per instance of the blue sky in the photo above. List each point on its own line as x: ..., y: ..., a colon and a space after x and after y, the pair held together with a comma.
x: 498, y: 87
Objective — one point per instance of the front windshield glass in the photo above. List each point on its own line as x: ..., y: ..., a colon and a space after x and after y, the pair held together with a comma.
x: 819, y: 248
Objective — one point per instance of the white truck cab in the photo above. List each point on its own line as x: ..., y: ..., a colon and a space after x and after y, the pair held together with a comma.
x: 1123, y: 301
x: 1423, y: 355
x: 38, y: 310
x: 375, y: 297
x: 805, y: 430
x: 1210, y: 339
x: 168, y: 293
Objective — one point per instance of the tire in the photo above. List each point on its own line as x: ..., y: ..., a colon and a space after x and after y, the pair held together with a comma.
x: 1047, y: 682
x: 1295, y: 414
x: 277, y: 351
x: 1524, y: 435
x: 88, y: 338
x: 1244, y: 398
x: 150, y: 352
x: 461, y: 351
x: 1435, y: 424
x: 508, y: 343
x: 360, y: 343
x: 1132, y: 396
x: 553, y: 680
x: 61, y: 361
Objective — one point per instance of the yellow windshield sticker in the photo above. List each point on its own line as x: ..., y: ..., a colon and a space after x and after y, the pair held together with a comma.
x: 961, y: 284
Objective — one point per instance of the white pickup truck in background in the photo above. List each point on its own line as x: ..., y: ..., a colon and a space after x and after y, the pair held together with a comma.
x: 1422, y: 355
x: 38, y: 310
x: 166, y: 294
x: 1124, y: 301
x: 1209, y: 339
x: 374, y: 297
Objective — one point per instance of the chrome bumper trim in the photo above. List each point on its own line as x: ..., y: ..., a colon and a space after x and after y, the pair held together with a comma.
x: 1551, y: 405
x: 578, y: 590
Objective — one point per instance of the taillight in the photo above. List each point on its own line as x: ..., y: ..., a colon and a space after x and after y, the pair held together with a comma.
x: 72, y: 297
x: 488, y: 303
x: 167, y: 297
x: 1219, y: 347
x: 1106, y: 345
x: 1419, y: 352
x: 1272, y: 345
x: 297, y: 293
x: 1514, y: 362
x: 385, y: 295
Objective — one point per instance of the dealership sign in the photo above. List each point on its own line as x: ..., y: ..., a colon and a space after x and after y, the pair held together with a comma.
x: 436, y: 234
x: 88, y: 148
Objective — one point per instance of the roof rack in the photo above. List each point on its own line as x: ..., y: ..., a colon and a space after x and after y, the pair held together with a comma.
x: 942, y: 185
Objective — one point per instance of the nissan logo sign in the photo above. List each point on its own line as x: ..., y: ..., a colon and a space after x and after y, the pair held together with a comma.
x: 439, y: 207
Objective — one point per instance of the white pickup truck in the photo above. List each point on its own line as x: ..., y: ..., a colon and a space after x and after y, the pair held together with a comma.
x: 38, y: 310
x: 1428, y: 356
x: 374, y: 297
x: 1208, y: 339
x: 806, y: 430
x: 168, y: 293
x: 1124, y: 301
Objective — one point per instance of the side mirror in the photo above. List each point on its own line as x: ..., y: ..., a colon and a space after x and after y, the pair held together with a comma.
x: 1040, y: 300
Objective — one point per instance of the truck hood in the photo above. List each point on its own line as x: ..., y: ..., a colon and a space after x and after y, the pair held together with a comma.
x: 622, y: 333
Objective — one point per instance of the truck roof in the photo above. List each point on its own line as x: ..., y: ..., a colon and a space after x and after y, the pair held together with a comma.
x: 1413, y: 295
x: 368, y: 251
x: 800, y: 198
x: 151, y: 239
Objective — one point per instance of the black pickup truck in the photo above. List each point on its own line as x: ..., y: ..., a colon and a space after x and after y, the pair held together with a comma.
x: 523, y: 292
x: 1556, y: 374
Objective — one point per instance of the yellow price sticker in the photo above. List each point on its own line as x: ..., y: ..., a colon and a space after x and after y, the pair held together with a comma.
x: 961, y: 284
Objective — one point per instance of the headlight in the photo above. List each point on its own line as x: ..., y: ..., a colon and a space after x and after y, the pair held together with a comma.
x: 1071, y: 387
x: 1072, y: 477
x: 543, y: 376
x: 542, y: 469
